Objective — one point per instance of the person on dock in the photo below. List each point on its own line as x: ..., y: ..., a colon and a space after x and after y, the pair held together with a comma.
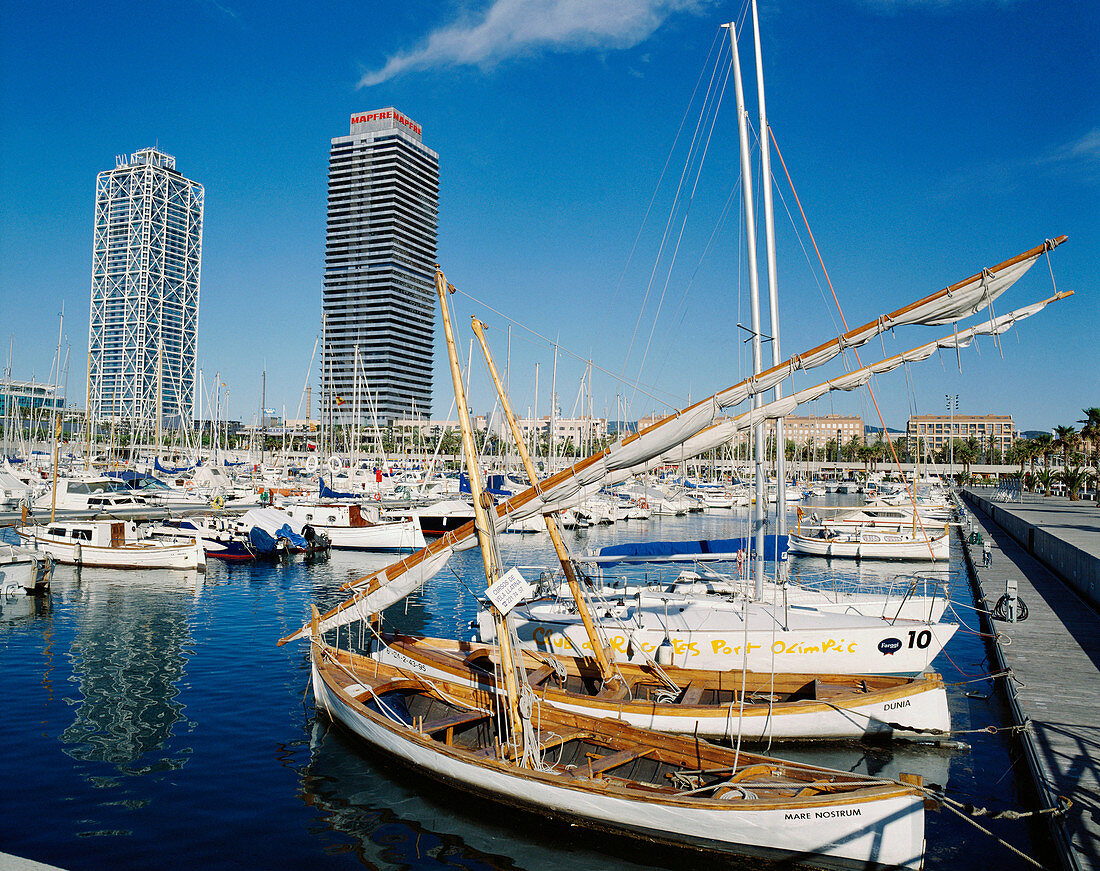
x: 987, y: 555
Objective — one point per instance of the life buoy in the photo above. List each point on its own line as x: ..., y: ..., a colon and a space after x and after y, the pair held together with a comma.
x: 218, y: 503
x: 377, y: 497
x: 642, y: 503
x: 335, y: 464
x: 311, y: 464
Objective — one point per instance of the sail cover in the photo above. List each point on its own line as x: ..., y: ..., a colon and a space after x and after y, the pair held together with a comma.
x: 696, y: 429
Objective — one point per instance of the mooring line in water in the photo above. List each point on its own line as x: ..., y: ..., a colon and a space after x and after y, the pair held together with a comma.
x: 966, y: 811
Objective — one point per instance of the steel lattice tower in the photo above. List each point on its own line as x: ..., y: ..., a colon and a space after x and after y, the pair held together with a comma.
x: 146, y: 260
x: 379, y: 285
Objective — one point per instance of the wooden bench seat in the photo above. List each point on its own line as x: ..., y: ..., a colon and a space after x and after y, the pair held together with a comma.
x: 448, y: 724
x: 540, y: 675
x: 602, y: 764
x: 692, y: 694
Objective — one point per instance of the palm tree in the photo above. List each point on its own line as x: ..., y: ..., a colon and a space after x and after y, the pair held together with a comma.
x: 1044, y: 479
x: 1074, y: 478
x: 1044, y: 447
x: 1090, y: 434
x: 1018, y: 453
x: 1066, y: 438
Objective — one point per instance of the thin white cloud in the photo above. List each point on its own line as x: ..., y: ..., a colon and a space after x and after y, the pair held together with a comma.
x: 1080, y: 156
x: 511, y: 28
x: 1086, y: 148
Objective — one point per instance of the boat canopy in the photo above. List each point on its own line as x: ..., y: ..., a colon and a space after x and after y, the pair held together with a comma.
x: 326, y: 492
x: 718, y: 549
x: 167, y: 471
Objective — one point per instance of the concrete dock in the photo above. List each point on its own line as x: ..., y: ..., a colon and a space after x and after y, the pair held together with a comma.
x: 1051, y: 548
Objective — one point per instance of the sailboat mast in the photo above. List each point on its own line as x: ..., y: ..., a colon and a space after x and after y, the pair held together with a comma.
x: 551, y: 524
x: 758, y: 513
x: 482, y: 520
x: 773, y: 281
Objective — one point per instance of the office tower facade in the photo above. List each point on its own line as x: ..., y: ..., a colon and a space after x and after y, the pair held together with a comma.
x: 146, y: 260
x: 378, y: 302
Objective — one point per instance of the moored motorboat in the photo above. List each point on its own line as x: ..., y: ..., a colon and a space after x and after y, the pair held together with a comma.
x: 24, y: 569
x: 112, y: 544
x: 873, y: 544
x: 351, y: 527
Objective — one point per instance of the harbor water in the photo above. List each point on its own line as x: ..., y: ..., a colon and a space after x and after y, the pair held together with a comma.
x: 149, y: 719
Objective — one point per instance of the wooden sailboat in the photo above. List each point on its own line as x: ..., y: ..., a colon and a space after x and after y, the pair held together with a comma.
x: 602, y: 774
x: 725, y: 704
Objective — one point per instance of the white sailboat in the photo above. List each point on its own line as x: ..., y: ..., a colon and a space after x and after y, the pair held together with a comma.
x: 601, y: 773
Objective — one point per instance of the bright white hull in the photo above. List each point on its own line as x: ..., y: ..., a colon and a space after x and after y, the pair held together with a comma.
x: 712, y: 637
x: 873, y: 546
x: 925, y: 711
x: 840, y: 833
x: 401, y: 535
x: 136, y: 555
x: 23, y: 570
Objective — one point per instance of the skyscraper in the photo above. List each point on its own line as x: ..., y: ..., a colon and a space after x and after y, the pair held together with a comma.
x: 378, y: 302
x: 146, y: 258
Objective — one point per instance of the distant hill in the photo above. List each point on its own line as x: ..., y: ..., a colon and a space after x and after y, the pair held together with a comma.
x: 873, y: 430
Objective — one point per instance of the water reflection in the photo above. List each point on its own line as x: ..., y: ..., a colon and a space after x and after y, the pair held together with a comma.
x: 128, y: 658
x: 16, y: 605
x: 392, y: 818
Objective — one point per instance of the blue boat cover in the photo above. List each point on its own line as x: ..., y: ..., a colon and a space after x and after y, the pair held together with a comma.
x: 293, y: 537
x: 167, y: 471
x: 494, y: 484
x: 688, y: 551
x: 261, y: 541
x: 327, y: 492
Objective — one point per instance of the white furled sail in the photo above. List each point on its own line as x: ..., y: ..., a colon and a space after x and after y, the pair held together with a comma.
x: 695, y: 433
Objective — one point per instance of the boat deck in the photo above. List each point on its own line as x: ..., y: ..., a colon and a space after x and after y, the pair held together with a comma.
x: 1054, y: 657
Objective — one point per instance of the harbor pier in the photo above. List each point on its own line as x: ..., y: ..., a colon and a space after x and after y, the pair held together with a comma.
x: 1050, y: 548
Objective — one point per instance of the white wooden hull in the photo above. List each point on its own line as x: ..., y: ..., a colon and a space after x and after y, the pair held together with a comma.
x: 397, y: 536
x: 23, y: 570
x: 830, y: 832
x: 781, y: 640
x: 135, y: 555
x: 924, y: 711
x: 878, y: 545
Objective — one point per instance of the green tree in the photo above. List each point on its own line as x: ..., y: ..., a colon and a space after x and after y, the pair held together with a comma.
x: 1074, y: 478
x: 451, y: 442
x: 1090, y: 435
x: 1045, y: 479
x: 1044, y: 447
x: 1066, y: 438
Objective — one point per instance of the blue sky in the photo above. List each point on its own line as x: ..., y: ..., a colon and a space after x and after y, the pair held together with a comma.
x: 926, y: 140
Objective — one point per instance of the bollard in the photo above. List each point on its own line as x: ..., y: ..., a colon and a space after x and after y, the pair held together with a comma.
x: 1010, y: 593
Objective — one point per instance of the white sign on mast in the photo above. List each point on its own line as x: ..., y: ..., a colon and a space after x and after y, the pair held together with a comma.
x: 508, y: 590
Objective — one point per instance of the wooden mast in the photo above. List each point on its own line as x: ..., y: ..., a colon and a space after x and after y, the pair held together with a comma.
x: 482, y: 522
x: 606, y: 671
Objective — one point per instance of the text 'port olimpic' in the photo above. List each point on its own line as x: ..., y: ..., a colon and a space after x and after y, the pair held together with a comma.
x: 378, y: 302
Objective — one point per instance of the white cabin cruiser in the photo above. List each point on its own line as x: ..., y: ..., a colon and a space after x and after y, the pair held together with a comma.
x: 352, y: 527
x: 115, y: 544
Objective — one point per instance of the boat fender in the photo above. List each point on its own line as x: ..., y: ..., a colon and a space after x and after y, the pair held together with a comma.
x: 77, y: 556
x: 664, y: 652
x: 218, y: 503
